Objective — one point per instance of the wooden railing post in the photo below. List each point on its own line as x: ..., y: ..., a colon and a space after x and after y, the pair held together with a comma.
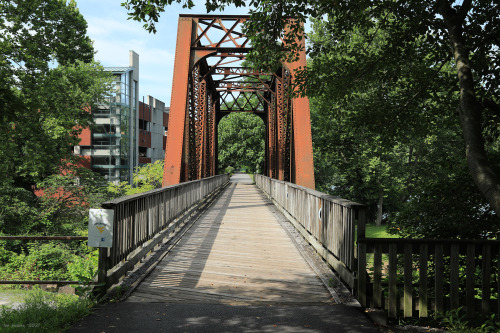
x: 102, y: 271
x: 138, y: 223
x: 361, y: 245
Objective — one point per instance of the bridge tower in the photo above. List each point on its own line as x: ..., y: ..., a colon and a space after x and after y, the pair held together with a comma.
x: 209, y: 82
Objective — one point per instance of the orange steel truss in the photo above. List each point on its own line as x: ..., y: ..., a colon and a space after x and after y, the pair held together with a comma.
x: 209, y: 83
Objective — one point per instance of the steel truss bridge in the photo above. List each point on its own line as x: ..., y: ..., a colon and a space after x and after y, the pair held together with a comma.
x: 211, y: 81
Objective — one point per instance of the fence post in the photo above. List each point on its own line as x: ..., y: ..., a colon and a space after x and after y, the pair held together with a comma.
x: 361, y: 257
x: 102, y: 272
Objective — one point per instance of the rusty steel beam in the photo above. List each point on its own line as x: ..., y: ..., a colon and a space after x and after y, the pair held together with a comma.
x: 178, y: 107
x: 302, y: 137
x: 202, y: 94
x: 280, y: 122
x: 247, y: 71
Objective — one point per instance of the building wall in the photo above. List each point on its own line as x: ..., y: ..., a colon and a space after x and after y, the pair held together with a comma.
x: 127, y: 132
x: 152, y: 115
x: 112, y: 144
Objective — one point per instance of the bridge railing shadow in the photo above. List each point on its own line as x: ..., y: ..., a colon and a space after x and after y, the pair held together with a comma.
x: 141, y: 220
x: 328, y: 223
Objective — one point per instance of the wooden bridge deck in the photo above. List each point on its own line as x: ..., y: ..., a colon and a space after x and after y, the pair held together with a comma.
x: 236, y: 253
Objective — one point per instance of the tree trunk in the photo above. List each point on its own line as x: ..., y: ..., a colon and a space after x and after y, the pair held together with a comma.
x: 470, y: 109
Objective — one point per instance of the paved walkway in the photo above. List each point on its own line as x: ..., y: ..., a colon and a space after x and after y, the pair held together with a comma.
x: 235, y: 270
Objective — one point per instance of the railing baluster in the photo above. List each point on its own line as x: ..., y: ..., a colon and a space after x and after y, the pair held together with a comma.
x: 438, y: 278
x: 377, y: 276
x: 485, y: 281
x: 469, y: 283
x: 393, y: 288
x: 408, y: 280
x: 422, y: 286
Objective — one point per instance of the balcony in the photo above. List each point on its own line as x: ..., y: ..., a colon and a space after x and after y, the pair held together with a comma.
x: 144, y: 138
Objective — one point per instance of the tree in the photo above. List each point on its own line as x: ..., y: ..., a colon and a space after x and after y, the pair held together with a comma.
x: 241, y: 141
x: 48, y: 87
x: 391, y: 137
x: 146, y: 178
x: 64, y: 201
x: 472, y: 29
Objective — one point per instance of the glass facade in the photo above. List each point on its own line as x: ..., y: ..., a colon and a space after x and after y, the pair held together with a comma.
x: 113, y: 152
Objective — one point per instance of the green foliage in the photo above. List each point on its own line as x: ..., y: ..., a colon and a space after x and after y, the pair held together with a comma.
x: 374, y: 231
x: 456, y: 321
x: 387, y: 98
x: 61, y: 207
x: 393, y: 133
x: 43, y: 262
x: 49, y: 261
x: 229, y: 170
x: 241, y: 142
x: 44, y: 312
x: 146, y: 178
x: 18, y: 210
x: 148, y: 11
x: 44, y: 106
x: 48, y: 86
x: 149, y: 176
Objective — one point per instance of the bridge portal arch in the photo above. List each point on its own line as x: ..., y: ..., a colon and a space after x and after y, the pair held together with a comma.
x: 210, y: 80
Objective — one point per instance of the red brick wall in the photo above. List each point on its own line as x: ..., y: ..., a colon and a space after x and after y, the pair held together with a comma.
x: 85, y: 137
x: 144, y: 112
x: 144, y: 139
x: 165, y: 119
x: 85, y: 162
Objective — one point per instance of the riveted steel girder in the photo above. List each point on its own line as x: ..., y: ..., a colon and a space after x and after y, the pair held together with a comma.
x: 209, y: 83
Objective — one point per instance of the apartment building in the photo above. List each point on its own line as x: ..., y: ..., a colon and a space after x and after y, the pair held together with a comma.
x: 153, y: 126
x: 114, y: 146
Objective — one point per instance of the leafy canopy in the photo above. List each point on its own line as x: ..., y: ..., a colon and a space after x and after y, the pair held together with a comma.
x: 241, y: 141
x: 387, y: 67
x: 49, y: 84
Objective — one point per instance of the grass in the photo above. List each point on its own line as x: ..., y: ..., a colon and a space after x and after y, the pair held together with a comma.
x: 44, y: 311
x: 374, y: 231
x: 12, y: 296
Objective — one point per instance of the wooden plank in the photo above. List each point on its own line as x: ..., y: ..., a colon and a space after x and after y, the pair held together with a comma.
x: 486, y: 280
x: 362, y: 298
x: 422, y: 287
x: 469, y: 283
x: 377, y: 276
x: 438, y: 280
x: 408, y: 280
x: 454, y: 271
x: 393, y: 290
x: 331, y: 259
x: 237, y: 252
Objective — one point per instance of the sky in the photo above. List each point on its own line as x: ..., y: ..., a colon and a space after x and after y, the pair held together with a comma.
x: 114, y: 36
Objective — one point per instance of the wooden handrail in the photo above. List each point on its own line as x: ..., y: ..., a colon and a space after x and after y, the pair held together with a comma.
x: 141, y: 220
x: 328, y: 223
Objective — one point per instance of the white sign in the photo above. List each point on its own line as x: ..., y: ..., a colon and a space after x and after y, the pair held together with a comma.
x: 101, y: 227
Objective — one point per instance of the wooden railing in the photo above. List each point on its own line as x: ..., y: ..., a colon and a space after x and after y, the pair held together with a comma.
x: 326, y: 222
x: 427, y: 277
x: 140, y: 220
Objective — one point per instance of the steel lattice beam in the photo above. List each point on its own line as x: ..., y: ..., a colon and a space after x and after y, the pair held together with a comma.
x: 208, y: 84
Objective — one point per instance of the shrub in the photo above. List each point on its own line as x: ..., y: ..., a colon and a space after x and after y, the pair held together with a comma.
x: 44, y: 312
